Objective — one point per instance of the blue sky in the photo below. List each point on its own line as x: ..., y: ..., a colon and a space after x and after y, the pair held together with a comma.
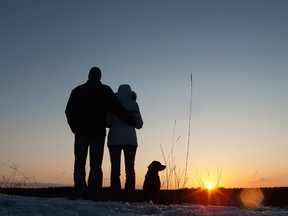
x: 237, y: 52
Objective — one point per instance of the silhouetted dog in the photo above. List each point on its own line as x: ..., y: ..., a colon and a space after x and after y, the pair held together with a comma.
x: 151, y: 186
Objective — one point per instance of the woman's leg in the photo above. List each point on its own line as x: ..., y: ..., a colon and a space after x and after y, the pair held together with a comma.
x: 115, y: 159
x: 129, y: 154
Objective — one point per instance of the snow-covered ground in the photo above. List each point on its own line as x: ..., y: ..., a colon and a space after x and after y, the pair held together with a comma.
x: 20, y: 206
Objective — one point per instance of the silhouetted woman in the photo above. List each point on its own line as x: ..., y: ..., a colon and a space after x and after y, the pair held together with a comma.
x: 122, y: 136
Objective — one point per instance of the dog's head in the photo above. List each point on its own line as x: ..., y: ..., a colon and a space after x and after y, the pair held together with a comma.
x: 156, y: 166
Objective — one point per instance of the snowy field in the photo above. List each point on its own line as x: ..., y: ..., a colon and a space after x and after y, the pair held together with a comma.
x: 19, y: 206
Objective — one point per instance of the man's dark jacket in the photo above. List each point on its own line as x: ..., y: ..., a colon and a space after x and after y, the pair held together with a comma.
x: 88, y: 105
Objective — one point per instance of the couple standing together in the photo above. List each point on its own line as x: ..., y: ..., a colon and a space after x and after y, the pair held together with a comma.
x: 91, y: 108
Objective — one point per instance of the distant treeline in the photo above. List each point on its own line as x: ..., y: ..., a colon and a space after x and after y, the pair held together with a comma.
x: 277, y: 197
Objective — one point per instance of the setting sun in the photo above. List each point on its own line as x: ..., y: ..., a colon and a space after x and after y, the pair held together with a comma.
x: 209, y: 186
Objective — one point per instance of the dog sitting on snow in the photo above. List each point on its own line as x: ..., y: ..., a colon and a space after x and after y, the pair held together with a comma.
x: 152, y: 184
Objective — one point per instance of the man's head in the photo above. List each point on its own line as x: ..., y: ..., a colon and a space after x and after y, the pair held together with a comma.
x: 95, y: 74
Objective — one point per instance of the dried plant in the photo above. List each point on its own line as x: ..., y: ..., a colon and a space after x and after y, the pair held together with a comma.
x: 172, y: 173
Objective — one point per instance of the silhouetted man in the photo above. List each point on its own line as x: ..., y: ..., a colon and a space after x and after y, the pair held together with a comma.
x: 86, y: 115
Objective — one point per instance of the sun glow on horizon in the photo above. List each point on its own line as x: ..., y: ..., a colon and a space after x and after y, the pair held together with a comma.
x: 209, y: 185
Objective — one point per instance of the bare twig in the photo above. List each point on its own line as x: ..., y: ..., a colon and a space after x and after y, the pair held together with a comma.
x: 189, y: 132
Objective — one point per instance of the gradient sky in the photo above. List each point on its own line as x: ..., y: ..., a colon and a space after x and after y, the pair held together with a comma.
x: 237, y: 52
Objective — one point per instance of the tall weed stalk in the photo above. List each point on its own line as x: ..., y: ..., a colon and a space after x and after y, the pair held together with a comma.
x: 173, y: 174
x: 189, y: 132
